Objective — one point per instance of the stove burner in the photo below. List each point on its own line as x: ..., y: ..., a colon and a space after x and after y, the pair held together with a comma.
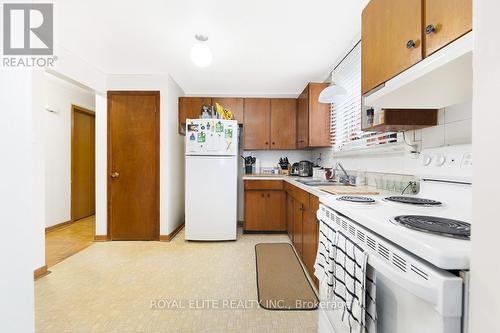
x: 356, y: 199
x: 435, y: 225
x: 413, y: 201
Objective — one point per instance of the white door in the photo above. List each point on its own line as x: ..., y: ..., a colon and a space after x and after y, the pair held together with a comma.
x: 211, y: 197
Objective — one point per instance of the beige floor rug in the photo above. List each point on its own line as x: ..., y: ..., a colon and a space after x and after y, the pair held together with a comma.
x: 281, y: 281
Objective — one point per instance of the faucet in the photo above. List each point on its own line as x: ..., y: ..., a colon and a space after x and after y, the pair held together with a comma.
x: 347, y: 178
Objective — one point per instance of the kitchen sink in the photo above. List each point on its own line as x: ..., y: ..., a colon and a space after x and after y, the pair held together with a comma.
x: 310, y: 182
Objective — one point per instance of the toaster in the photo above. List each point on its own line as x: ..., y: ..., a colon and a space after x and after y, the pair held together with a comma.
x: 305, y: 169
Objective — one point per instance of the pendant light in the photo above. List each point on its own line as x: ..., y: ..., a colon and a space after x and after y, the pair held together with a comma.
x: 331, y: 93
x: 201, y: 55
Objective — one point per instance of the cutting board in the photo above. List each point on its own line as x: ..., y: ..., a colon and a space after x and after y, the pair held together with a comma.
x: 348, y: 190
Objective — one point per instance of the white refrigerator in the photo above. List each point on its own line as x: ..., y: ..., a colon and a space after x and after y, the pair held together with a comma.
x: 211, y: 179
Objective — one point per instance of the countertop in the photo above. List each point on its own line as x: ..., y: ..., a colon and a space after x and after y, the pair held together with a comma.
x: 443, y: 252
x: 291, y: 180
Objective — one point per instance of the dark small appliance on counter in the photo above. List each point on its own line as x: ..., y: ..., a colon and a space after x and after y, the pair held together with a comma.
x: 305, y: 169
x: 295, y: 169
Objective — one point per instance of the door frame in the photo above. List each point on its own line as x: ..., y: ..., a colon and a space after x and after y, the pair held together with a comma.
x: 76, y: 108
x: 156, y: 94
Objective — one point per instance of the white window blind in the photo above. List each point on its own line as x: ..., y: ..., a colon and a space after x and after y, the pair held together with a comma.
x: 346, y: 114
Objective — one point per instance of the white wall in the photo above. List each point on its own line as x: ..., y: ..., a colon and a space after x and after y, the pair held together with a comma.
x: 18, y: 208
x: 454, y: 128
x: 485, y: 271
x: 101, y: 164
x: 59, y: 96
x: 171, y: 147
x: 174, y: 189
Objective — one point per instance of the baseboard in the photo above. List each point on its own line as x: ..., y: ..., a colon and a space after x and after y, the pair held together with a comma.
x: 40, y: 272
x: 57, y: 226
x: 170, y: 236
x: 101, y: 238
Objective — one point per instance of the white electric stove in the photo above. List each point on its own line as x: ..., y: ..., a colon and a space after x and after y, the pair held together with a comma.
x: 419, y: 247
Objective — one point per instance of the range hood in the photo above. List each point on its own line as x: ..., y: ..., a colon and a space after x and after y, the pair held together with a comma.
x: 440, y: 80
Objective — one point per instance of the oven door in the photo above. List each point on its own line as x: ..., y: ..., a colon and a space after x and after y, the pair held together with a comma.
x: 412, y: 296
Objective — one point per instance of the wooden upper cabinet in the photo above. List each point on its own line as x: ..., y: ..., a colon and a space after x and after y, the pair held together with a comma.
x: 257, y: 123
x: 391, y: 39
x: 319, y: 117
x: 233, y: 104
x: 190, y: 108
x: 283, y: 123
x: 445, y: 21
x: 313, y: 118
x: 303, y: 119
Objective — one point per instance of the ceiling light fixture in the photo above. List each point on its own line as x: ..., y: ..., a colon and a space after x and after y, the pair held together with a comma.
x: 200, y: 52
x: 330, y: 93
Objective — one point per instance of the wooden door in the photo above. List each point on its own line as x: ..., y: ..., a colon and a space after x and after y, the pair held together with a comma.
x: 275, y: 211
x: 298, y: 210
x: 310, y: 235
x: 190, y: 108
x: 82, y: 163
x: 133, y: 165
x: 235, y: 105
x: 289, y: 216
x: 255, y: 215
x: 257, y: 123
x: 303, y: 119
x: 283, y: 123
x: 388, y: 29
x: 319, y: 117
x: 445, y: 21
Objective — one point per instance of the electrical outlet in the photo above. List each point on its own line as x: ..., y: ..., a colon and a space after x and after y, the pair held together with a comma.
x: 466, y: 161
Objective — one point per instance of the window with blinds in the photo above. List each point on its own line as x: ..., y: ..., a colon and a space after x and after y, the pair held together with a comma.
x: 346, y: 112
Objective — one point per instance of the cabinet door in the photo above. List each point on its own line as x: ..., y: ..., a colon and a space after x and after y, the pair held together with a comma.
x: 388, y: 29
x: 190, y: 108
x: 275, y: 211
x: 283, y: 123
x: 256, y: 123
x: 445, y: 21
x: 298, y: 210
x: 289, y: 216
x: 319, y: 117
x: 255, y: 217
x: 303, y: 119
x: 235, y: 105
x: 310, y: 236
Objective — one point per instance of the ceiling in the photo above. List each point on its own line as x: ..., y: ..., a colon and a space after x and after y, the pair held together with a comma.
x: 260, y: 47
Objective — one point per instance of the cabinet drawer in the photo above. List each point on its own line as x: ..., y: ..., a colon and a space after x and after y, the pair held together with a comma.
x: 263, y: 185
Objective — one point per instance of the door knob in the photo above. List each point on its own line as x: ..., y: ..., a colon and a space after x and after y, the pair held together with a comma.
x: 430, y: 29
x: 115, y: 175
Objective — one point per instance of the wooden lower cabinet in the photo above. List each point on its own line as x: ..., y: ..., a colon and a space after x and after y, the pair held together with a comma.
x: 289, y: 216
x: 310, y: 236
x: 302, y: 225
x: 265, y: 210
x: 298, y: 214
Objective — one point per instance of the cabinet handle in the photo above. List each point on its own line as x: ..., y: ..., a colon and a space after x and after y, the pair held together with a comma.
x: 273, y: 143
x: 410, y: 44
x: 263, y: 195
x: 430, y: 29
x: 267, y: 142
x: 269, y: 195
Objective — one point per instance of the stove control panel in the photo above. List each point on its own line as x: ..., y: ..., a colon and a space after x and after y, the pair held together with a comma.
x: 455, y: 160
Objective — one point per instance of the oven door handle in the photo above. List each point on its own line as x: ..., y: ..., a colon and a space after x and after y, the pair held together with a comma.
x: 443, y: 291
